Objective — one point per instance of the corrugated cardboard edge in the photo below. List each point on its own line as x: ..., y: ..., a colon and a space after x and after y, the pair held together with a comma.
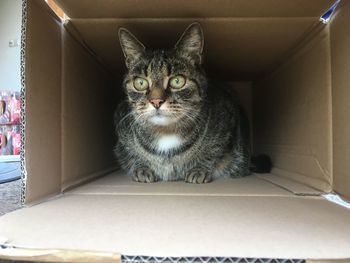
x: 58, y: 255
x: 23, y: 102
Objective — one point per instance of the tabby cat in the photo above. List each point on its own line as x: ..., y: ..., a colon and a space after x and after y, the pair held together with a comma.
x: 174, y: 123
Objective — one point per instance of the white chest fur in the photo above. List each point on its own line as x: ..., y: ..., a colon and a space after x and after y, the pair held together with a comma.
x: 167, y: 143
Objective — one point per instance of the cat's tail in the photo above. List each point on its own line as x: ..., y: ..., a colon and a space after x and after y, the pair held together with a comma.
x: 260, y: 163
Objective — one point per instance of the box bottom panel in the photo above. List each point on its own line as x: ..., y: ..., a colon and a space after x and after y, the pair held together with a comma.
x: 159, y: 220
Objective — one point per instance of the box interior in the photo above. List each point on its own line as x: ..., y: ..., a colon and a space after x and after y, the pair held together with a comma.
x: 277, y: 56
x: 289, y: 71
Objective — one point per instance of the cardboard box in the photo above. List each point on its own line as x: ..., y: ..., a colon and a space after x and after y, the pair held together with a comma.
x: 294, y: 73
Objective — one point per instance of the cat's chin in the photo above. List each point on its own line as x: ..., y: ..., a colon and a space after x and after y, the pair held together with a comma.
x: 160, y: 120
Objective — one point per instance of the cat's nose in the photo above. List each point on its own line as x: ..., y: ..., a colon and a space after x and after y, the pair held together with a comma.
x: 157, y: 102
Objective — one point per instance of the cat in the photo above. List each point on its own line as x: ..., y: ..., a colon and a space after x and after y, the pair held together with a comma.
x: 174, y: 123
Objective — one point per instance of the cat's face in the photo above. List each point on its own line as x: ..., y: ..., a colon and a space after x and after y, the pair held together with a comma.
x: 165, y: 87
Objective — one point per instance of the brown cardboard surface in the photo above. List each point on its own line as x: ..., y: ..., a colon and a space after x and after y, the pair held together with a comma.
x: 241, y: 50
x: 43, y: 102
x: 244, y: 91
x: 292, y: 115
x: 340, y: 57
x: 89, y: 99
x: 194, y: 8
x: 164, y: 225
x: 290, y: 185
x: 71, y: 92
x: 119, y: 184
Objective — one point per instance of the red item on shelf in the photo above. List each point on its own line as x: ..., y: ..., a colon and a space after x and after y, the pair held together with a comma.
x: 16, y: 143
x: 10, y: 115
x: 15, y: 108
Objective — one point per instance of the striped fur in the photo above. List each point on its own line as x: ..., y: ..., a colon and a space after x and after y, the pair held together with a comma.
x: 196, y: 135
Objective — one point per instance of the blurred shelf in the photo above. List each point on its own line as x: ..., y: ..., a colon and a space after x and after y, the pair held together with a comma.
x: 9, y: 123
x: 9, y: 158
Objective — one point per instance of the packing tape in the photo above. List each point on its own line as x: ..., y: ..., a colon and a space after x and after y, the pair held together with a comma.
x: 58, y: 255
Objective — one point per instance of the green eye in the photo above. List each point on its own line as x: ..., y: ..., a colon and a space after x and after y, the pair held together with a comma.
x: 177, y: 82
x: 140, y: 83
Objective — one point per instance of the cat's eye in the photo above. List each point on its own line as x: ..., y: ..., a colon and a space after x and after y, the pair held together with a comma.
x: 177, y: 82
x: 140, y: 83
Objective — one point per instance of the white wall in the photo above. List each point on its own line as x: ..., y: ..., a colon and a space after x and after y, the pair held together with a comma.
x: 10, y: 28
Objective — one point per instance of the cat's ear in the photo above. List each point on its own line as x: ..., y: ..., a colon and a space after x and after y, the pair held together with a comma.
x: 191, y: 43
x: 132, y: 48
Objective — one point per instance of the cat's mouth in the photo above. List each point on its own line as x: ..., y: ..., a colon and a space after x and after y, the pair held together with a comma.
x: 161, y: 118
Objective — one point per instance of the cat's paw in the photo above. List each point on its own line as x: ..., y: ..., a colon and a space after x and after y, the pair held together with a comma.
x: 198, y: 176
x: 144, y: 175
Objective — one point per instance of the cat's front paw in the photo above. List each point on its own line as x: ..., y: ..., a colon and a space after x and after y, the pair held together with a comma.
x: 144, y: 175
x: 198, y: 176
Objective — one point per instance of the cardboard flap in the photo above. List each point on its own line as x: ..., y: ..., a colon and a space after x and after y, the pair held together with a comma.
x: 221, y: 226
x: 193, y: 8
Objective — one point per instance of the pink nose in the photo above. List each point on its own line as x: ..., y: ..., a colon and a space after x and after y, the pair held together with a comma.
x: 156, y: 103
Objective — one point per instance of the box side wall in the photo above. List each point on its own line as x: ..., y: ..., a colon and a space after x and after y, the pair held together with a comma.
x: 292, y: 115
x: 43, y: 102
x: 89, y: 98
x: 340, y: 56
x: 243, y: 90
